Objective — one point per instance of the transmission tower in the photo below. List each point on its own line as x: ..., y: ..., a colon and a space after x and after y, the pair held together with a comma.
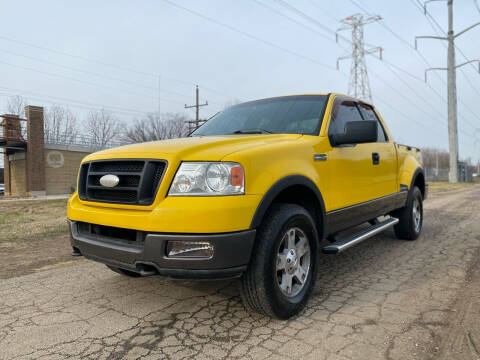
x: 358, y: 85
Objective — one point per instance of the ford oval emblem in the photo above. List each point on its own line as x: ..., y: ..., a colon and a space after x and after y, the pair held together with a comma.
x: 109, y: 180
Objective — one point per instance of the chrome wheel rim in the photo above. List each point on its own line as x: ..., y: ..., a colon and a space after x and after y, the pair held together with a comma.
x: 417, y: 214
x: 293, y: 262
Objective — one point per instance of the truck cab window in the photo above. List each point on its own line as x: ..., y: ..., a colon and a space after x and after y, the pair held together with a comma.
x: 369, y: 114
x: 343, y: 111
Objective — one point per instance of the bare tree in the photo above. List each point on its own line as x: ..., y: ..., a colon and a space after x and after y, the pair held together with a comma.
x: 153, y: 127
x: 16, y: 105
x: 102, y: 127
x: 60, y: 125
x: 175, y: 125
x: 435, y: 158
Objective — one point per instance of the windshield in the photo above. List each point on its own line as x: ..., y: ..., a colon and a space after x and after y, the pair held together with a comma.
x: 284, y: 115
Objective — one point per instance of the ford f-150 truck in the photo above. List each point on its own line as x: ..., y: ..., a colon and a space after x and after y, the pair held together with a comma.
x: 258, y: 192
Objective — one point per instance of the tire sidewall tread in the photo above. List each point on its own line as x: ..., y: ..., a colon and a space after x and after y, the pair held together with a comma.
x: 405, y: 229
x: 258, y: 288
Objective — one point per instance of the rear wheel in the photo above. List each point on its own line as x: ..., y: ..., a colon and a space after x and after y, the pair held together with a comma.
x: 124, y: 272
x: 411, y: 217
x: 282, y: 271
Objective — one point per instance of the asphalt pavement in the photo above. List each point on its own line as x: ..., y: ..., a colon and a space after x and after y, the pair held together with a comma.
x: 382, y: 299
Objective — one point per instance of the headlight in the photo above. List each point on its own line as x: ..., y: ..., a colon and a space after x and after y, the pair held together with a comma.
x: 208, y: 179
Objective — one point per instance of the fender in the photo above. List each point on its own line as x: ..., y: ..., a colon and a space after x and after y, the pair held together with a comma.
x: 414, y: 178
x: 277, y: 188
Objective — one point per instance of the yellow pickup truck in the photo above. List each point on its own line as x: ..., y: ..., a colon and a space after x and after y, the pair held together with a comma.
x: 257, y: 192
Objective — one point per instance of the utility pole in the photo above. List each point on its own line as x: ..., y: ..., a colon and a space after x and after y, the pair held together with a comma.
x: 197, y: 111
x: 452, y: 87
x: 477, y: 142
x: 159, y: 95
x: 358, y: 85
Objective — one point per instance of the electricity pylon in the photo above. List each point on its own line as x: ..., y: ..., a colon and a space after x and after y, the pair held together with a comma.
x: 359, y: 85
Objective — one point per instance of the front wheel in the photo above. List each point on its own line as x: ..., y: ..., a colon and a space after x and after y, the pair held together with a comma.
x: 282, y: 271
x: 411, y: 217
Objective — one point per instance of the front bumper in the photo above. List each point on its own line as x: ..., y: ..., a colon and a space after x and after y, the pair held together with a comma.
x: 148, y: 257
x: 172, y: 214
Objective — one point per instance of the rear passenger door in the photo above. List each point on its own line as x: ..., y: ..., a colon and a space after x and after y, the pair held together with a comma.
x: 360, y: 172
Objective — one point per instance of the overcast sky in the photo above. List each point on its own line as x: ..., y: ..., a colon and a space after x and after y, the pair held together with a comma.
x: 110, y: 53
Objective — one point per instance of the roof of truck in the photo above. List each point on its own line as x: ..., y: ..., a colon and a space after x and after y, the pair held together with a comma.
x: 309, y: 94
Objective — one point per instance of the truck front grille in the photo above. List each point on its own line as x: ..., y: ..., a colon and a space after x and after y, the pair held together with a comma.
x: 138, y: 185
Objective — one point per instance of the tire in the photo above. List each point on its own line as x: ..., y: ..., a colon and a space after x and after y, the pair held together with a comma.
x: 269, y: 291
x: 411, y: 217
x: 124, y: 272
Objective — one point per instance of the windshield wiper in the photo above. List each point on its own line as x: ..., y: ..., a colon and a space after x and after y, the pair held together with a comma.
x: 252, y: 131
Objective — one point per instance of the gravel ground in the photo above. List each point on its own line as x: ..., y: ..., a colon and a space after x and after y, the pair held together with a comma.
x: 383, y: 299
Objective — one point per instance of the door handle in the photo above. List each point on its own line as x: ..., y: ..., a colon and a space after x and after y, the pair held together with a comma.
x: 375, y: 158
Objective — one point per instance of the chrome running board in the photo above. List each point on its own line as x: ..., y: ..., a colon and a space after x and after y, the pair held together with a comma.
x: 344, y: 244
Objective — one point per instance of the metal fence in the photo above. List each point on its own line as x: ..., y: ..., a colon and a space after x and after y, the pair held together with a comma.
x: 465, y: 173
x: 436, y: 174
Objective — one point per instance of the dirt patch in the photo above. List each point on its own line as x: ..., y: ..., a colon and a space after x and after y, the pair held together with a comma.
x: 462, y: 338
x: 440, y: 186
x: 33, y: 236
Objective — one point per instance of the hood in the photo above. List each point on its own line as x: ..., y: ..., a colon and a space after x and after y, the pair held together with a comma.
x: 207, y: 148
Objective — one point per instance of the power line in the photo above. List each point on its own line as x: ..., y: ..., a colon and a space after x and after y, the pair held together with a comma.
x: 247, y: 35
x: 441, y: 116
x: 110, y: 65
x: 390, y: 64
x: 418, y: 95
x: 86, y: 82
x: 440, y: 32
x: 437, y: 28
x: 387, y: 62
x: 67, y: 101
x: 292, y: 20
x: 401, y: 69
x: 413, y: 120
x: 311, y: 20
x: 266, y: 42
x: 452, y: 88
x: 411, y: 47
x: 315, y: 21
x: 91, y: 73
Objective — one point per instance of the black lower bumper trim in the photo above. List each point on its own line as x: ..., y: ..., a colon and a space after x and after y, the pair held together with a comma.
x: 231, y: 254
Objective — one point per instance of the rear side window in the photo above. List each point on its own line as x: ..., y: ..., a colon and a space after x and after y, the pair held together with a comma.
x: 343, y: 111
x: 369, y: 114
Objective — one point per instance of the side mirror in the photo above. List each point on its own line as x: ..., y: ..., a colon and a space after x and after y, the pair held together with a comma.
x: 357, y: 132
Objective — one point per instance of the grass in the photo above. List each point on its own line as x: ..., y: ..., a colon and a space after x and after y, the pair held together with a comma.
x: 440, y: 186
x: 33, y: 237
x: 27, y: 220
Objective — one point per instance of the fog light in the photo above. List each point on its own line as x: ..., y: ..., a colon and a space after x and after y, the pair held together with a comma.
x: 189, y: 249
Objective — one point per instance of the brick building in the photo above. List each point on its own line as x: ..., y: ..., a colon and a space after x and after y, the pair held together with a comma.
x: 33, y: 167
